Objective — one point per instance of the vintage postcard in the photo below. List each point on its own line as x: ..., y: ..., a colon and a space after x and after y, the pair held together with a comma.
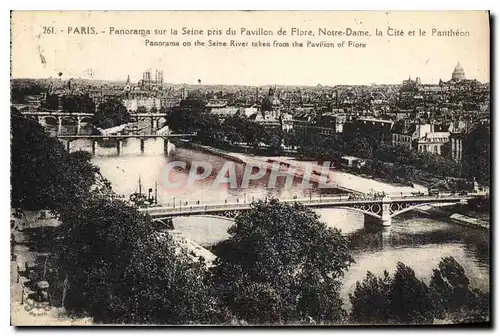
x: 249, y: 168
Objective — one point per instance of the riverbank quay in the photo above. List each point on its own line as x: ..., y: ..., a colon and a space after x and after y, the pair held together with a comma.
x: 469, y: 221
x: 189, y: 247
x: 343, y: 180
x: 211, y: 150
x: 454, y: 217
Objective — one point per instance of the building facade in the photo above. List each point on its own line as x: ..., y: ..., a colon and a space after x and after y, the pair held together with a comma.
x: 433, y: 142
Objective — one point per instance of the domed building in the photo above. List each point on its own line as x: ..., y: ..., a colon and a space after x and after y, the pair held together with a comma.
x: 458, y: 73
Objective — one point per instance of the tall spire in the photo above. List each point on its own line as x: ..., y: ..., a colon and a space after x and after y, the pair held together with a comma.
x: 128, y: 79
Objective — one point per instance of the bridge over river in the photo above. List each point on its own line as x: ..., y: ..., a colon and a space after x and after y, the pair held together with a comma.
x: 380, y: 209
x: 118, y: 139
x: 78, y: 118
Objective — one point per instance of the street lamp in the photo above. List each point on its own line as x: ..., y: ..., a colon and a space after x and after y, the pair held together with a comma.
x: 174, y: 201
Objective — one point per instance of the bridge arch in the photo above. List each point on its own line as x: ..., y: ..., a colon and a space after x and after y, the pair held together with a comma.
x: 406, y: 209
x: 68, y: 120
x: 86, y: 119
x: 363, y: 211
x: 49, y: 120
x: 216, y: 216
x: 32, y: 116
x: 410, y: 207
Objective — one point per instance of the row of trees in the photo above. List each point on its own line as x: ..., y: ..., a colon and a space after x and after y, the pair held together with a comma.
x: 111, y: 113
x: 281, y: 264
x: 78, y: 103
x: 43, y: 174
x: 477, y: 153
x: 405, y: 299
x: 191, y: 116
x: 69, y: 103
x: 20, y: 91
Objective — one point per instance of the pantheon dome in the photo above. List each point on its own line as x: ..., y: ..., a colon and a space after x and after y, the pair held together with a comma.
x: 458, y: 73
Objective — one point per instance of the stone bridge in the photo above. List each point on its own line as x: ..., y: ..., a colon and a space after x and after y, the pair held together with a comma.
x: 58, y: 117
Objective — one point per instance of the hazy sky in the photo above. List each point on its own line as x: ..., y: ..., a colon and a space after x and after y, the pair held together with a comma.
x: 386, y: 59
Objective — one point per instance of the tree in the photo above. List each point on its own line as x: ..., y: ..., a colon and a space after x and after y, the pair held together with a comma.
x: 453, y: 296
x: 410, y: 301
x: 404, y: 299
x: 253, y: 134
x: 78, y: 103
x: 272, y: 137
x: 120, y: 270
x: 191, y: 117
x: 477, y: 153
x: 282, y: 265
x: 196, y: 95
x: 209, y: 130
x: 234, y: 128
x: 288, y: 139
x: 51, y: 102
x: 110, y: 113
x: 20, y: 90
x: 371, y: 300
x: 43, y: 174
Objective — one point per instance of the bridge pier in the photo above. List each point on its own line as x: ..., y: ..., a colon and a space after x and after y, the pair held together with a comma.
x: 142, y: 145
x: 78, y: 125
x: 166, y: 146
x: 154, y: 123
x: 119, y: 147
x: 386, y: 222
x: 59, y: 125
x: 386, y: 236
x: 381, y: 214
x: 386, y: 219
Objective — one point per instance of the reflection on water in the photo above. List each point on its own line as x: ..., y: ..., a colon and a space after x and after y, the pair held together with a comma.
x: 412, y: 239
x: 124, y: 170
x: 205, y: 230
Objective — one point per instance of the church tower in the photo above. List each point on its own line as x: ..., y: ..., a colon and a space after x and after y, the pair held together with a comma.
x: 127, y: 87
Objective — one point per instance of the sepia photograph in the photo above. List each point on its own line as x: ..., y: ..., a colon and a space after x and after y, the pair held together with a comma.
x: 250, y: 168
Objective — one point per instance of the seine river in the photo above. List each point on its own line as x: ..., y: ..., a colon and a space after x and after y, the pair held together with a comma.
x: 413, y: 239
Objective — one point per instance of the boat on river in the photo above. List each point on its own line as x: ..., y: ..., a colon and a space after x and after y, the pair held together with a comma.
x: 143, y: 200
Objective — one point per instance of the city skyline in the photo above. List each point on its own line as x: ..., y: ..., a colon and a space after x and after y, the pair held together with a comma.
x: 135, y: 79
